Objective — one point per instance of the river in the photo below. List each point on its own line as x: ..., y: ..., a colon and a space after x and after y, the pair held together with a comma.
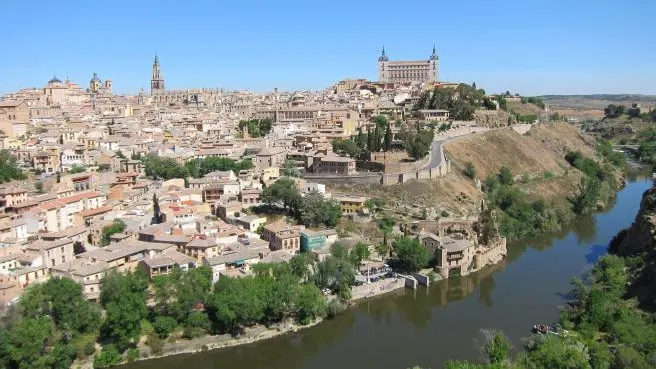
x: 430, y: 325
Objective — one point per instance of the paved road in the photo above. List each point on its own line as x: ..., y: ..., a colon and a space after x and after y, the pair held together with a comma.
x: 436, y: 155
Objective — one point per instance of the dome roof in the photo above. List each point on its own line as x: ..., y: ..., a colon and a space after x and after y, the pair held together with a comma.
x: 55, y: 80
x: 95, y: 78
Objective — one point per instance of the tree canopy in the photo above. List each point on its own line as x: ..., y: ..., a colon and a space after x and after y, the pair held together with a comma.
x: 256, y: 127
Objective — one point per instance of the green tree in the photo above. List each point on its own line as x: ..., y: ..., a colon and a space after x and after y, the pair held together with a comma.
x: 412, y: 255
x: 311, y: 303
x: 360, y: 253
x: 387, y: 140
x: 506, y: 177
x: 164, y: 325
x: 300, y: 265
x: 557, y: 353
x: 418, y: 145
x: 9, y: 168
x: 283, y: 192
x: 110, y: 356
x: 38, y: 186
x: 498, y: 349
x: 346, y: 147
x: 315, y: 210
x: 25, y: 344
x: 75, y: 168
x: 123, y: 297
x: 117, y: 226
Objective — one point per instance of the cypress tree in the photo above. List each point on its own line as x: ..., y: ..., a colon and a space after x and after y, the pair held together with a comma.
x: 387, y: 140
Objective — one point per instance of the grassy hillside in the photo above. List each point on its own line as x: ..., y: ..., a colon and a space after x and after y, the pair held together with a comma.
x: 536, y: 159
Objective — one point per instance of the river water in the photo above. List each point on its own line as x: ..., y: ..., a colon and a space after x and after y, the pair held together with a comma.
x: 430, y: 325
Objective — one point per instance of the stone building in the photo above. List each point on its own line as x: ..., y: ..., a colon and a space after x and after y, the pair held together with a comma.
x: 403, y: 71
x: 96, y: 86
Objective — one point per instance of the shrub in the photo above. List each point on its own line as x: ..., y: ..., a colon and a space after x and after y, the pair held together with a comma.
x: 133, y: 354
x: 108, y: 357
x: 164, y: 325
x: 335, y: 307
x: 155, y: 343
x: 89, y: 349
x: 470, y: 170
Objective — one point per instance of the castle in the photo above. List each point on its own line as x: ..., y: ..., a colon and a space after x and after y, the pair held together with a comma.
x: 404, y: 71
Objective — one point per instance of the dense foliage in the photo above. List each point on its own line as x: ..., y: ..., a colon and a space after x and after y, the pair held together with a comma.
x: 168, y: 168
x: 312, y: 209
x: 614, y: 111
x: 418, y: 144
x: 519, y: 218
x: 75, y: 168
x: 461, y: 101
x: 537, y: 101
x: 362, y: 145
x: 117, y: 226
x: 256, y: 127
x: 52, y: 318
x: 8, y: 168
x: 411, y: 254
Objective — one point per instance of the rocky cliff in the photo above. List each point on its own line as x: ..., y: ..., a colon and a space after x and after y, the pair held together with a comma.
x: 641, y: 236
x: 639, y: 242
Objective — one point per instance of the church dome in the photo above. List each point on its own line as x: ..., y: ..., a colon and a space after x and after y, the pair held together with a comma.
x: 54, y: 80
x: 95, y: 78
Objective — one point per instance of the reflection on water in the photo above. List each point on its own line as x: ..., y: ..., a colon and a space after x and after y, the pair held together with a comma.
x: 430, y: 325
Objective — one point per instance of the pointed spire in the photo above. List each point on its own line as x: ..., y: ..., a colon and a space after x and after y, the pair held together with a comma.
x: 434, y: 54
x: 382, y: 56
x: 156, y: 59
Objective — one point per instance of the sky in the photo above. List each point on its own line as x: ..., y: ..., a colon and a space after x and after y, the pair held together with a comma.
x: 532, y: 47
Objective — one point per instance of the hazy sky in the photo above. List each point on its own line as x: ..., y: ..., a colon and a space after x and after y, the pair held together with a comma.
x: 529, y: 46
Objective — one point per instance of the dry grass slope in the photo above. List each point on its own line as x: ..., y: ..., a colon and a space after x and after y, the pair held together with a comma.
x: 536, y: 157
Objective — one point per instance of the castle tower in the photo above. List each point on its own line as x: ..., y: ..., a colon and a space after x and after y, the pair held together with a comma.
x: 157, y: 80
x: 434, y: 65
x: 382, y: 66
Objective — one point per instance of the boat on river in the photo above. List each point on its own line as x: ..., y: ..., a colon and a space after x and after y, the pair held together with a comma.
x: 548, y: 329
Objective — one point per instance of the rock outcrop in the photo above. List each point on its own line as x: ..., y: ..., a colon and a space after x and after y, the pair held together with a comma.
x: 641, y: 236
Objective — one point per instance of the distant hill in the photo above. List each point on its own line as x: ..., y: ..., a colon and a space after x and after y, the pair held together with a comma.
x: 598, y: 101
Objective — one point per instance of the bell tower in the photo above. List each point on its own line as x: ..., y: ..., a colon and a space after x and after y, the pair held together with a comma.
x: 157, y: 80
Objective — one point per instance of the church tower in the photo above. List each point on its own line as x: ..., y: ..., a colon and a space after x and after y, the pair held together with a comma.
x: 157, y: 81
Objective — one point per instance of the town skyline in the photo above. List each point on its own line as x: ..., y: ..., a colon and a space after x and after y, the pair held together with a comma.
x: 534, y: 50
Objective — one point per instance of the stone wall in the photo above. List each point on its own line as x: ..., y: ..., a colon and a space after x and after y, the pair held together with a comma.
x: 377, y: 288
x: 384, y: 179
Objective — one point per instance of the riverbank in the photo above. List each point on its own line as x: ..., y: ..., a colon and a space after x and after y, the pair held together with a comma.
x: 439, y: 322
x: 213, y: 342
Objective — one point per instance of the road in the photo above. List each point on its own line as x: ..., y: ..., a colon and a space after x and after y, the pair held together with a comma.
x: 436, y: 155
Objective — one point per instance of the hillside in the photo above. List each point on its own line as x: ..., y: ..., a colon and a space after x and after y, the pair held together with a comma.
x: 598, y: 101
x: 536, y: 158
x: 524, y: 109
